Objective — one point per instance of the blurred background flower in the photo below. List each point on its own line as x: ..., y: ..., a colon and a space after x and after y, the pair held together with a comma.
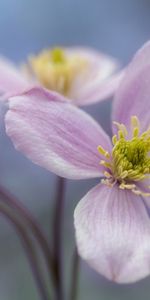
x: 116, y: 27
x: 81, y: 74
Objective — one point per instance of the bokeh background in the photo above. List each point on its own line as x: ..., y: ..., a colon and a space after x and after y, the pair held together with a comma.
x: 116, y: 27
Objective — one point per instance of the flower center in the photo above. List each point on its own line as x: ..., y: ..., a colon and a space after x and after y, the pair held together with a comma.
x: 56, y: 69
x: 129, y: 161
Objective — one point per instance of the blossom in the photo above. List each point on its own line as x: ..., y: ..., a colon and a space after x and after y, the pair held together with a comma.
x: 83, y: 75
x: 111, y: 221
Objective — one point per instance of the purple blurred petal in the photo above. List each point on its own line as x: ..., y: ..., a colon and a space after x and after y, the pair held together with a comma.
x: 113, y: 233
x: 99, y: 81
x: 133, y: 94
x: 11, y: 79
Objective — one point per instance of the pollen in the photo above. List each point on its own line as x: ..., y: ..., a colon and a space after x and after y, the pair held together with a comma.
x: 129, y: 161
x: 56, y: 69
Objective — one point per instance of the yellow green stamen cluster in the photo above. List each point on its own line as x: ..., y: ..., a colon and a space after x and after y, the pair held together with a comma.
x: 129, y: 161
x: 56, y: 70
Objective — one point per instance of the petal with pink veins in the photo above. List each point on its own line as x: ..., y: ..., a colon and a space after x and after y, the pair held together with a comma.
x: 55, y: 134
x: 113, y: 233
x: 144, y: 187
x: 100, y: 79
x: 133, y: 94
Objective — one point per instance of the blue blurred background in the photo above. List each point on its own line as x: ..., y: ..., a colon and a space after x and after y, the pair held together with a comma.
x: 116, y: 27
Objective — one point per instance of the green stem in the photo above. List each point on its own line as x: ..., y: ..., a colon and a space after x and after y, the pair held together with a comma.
x: 74, y: 276
x: 35, y: 228
x: 30, y: 251
x: 57, y: 235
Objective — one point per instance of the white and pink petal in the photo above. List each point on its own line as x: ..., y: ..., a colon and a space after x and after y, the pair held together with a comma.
x: 113, y: 233
x: 55, y: 134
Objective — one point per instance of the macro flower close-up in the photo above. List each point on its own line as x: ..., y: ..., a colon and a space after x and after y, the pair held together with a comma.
x: 111, y: 221
x: 75, y: 150
x: 84, y: 75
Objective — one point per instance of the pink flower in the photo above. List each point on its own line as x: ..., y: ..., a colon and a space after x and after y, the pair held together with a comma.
x: 111, y: 222
x: 83, y: 75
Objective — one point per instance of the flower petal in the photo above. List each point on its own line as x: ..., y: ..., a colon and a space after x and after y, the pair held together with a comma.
x: 113, y: 233
x: 11, y: 80
x: 55, y: 134
x: 144, y: 187
x: 98, y: 82
x: 133, y: 94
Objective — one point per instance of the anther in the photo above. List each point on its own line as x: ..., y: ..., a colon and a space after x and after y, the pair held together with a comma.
x: 107, y: 174
x: 114, y: 139
x: 103, y: 151
x: 106, y: 164
x: 135, y: 122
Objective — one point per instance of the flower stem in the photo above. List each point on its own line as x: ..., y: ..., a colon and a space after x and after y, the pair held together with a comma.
x: 75, y: 275
x: 34, y: 226
x: 57, y: 235
x: 29, y: 249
